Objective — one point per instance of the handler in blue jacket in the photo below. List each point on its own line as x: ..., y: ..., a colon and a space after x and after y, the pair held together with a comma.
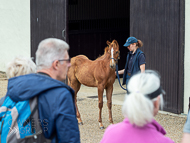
x: 135, y: 59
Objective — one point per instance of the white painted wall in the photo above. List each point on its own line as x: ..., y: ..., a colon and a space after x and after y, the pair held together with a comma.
x: 187, y: 57
x: 14, y: 30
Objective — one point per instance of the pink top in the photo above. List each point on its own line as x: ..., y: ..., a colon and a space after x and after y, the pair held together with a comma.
x: 124, y: 132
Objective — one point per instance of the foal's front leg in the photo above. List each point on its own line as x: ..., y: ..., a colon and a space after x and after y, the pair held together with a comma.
x: 109, y: 91
x: 100, y: 101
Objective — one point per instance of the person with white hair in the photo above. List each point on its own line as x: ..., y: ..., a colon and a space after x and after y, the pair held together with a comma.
x: 141, y: 104
x: 19, y: 66
x: 56, y: 106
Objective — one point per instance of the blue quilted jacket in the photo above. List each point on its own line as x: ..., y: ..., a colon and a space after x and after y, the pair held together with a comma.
x: 135, y: 66
x: 55, y: 103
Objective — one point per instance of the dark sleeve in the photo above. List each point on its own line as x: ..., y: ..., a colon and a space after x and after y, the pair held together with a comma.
x: 142, y: 59
x: 66, y: 122
x: 186, y: 128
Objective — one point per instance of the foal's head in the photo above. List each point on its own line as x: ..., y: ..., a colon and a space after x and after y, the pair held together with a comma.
x: 114, y: 53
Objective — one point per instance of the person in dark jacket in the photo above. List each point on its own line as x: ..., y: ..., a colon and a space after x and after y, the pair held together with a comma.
x: 56, y: 106
x: 135, y: 59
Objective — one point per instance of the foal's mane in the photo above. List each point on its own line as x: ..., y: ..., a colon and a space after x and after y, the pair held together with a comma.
x: 105, y: 51
x: 107, y: 48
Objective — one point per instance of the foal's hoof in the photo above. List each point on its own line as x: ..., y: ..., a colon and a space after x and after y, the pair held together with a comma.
x: 102, y: 127
x: 81, y: 123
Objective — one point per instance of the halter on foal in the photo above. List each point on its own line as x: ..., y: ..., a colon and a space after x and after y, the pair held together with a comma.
x: 99, y: 73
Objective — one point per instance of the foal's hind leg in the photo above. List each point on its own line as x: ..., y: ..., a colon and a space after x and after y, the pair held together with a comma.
x: 76, y: 86
x: 109, y: 91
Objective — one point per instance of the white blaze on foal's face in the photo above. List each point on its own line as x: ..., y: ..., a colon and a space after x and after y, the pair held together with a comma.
x: 112, y: 63
x: 112, y: 55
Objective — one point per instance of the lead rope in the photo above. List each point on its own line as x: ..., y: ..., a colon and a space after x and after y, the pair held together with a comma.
x: 119, y: 78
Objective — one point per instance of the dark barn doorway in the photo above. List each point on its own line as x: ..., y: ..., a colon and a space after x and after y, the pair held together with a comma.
x: 93, y: 22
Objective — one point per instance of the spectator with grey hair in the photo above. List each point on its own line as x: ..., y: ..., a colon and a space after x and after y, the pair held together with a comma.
x: 55, y: 99
x: 139, y: 108
x: 19, y: 66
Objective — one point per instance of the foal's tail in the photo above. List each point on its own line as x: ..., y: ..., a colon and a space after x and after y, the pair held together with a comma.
x: 67, y: 81
x: 70, y: 72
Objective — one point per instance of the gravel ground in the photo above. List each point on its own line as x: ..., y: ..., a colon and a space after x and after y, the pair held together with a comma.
x: 90, y: 132
x: 2, y: 74
x: 3, y: 87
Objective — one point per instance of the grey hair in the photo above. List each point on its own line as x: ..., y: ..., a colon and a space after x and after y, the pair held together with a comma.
x: 49, y: 50
x: 137, y: 107
x: 20, y: 66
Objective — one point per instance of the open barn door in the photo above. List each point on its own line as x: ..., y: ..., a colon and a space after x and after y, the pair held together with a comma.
x: 48, y: 19
x: 160, y: 26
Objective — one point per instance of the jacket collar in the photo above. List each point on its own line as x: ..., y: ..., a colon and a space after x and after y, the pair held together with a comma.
x: 131, y: 52
x: 154, y: 125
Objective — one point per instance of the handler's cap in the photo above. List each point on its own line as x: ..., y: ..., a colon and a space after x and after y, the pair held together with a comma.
x: 129, y: 41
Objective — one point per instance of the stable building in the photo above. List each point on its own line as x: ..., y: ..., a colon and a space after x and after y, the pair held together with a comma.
x: 163, y: 26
